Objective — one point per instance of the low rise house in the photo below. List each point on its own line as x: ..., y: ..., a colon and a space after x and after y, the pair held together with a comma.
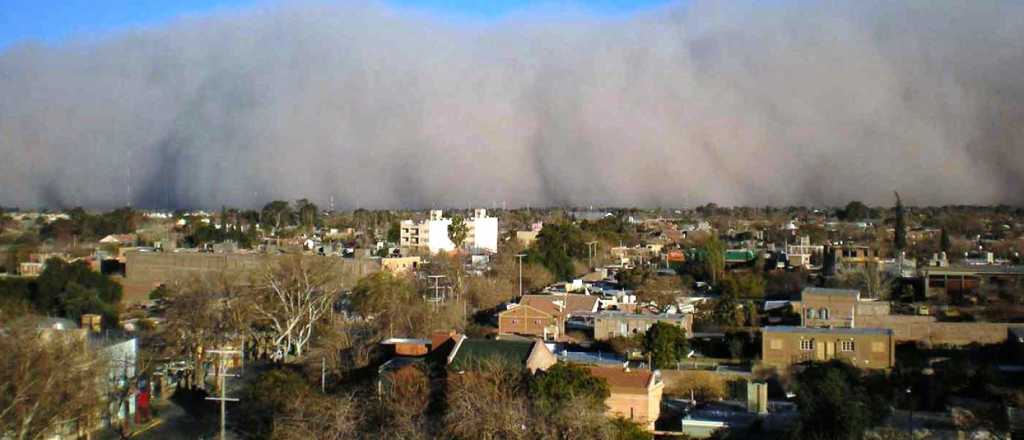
x: 635, y: 394
x: 527, y: 320
x: 400, y: 264
x: 468, y: 354
x: 871, y: 348
x: 608, y: 325
x: 968, y: 280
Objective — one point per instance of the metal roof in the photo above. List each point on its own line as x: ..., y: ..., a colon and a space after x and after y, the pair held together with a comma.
x: 827, y: 331
x: 831, y: 291
x: 972, y: 269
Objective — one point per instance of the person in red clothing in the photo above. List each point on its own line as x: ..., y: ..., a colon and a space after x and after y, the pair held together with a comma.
x: 142, y: 405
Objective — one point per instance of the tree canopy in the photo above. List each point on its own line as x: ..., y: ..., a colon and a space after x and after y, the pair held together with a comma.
x: 666, y: 343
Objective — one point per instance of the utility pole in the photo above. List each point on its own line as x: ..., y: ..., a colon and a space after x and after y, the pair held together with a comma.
x: 223, y: 389
x: 520, y: 257
x: 437, y: 289
x: 323, y: 374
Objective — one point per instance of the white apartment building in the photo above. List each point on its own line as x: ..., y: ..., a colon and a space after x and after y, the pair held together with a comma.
x: 432, y: 234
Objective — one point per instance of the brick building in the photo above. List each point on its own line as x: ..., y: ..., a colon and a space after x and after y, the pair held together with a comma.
x: 527, y: 320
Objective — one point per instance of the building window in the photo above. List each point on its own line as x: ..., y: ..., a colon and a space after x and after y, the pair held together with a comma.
x: 846, y: 345
x: 536, y: 321
x: 812, y: 314
x: 515, y: 321
x: 807, y: 344
x: 823, y: 313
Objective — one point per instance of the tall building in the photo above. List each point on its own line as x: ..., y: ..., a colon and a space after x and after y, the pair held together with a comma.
x: 482, y: 232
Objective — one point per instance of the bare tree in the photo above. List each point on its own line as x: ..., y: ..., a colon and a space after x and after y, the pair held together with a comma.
x: 205, y: 312
x: 293, y: 296
x: 314, y: 416
x: 49, y: 382
x: 488, y: 403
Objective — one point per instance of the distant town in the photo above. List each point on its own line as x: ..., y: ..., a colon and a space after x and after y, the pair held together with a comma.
x: 298, y: 322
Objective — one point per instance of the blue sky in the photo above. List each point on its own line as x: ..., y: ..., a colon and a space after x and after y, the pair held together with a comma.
x: 53, y: 21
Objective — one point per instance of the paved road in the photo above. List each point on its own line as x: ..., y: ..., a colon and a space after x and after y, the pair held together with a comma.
x: 173, y: 424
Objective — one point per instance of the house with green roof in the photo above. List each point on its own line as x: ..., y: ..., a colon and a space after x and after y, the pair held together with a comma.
x: 469, y: 354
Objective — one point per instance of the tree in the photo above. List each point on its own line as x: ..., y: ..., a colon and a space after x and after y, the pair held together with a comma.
x: 743, y: 285
x: 666, y: 343
x: 48, y: 381
x: 899, y: 242
x: 944, y: 242
x: 714, y: 258
x: 72, y: 289
x: 856, y: 210
x: 277, y: 211
x: 457, y: 231
x: 394, y: 232
x: 292, y: 296
x: 308, y: 212
x: 488, y: 403
x: 386, y: 298
x: 554, y: 389
x: 834, y: 404
x: 555, y: 248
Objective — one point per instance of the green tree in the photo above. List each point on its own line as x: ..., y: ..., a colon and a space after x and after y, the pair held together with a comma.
x: 899, y: 242
x: 834, y: 403
x: 278, y: 212
x: 308, y: 212
x: 71, y: 289
x: 666, y: 343
x: 457, y: 231
x: 944, y: 242
x: 856, y: 210
x: 566, y: 383
x: 714, y: 258
x: 555, y: 248
x: 394, y: 232
x: 743, y: 285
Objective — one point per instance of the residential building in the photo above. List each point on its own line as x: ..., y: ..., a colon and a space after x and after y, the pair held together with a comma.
x: 871, y: 348
x: 482, y: 232
x: 634, y: 394
x: 527, y: 320
x: 400, y: 264
x: 821, y: 307
x: 611, y: 324
x: 468, y: 354
x: 968, y: 280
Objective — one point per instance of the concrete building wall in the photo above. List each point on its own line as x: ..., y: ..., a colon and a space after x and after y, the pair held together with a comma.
x: 640, y: 408
x: 829, y: 310
x: 872, y: 351
x: 610, y: 326
x: 484, y: 231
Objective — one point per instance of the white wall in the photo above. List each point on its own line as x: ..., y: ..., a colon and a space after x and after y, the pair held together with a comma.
x: 438, y: 236
x: 485, y: 233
